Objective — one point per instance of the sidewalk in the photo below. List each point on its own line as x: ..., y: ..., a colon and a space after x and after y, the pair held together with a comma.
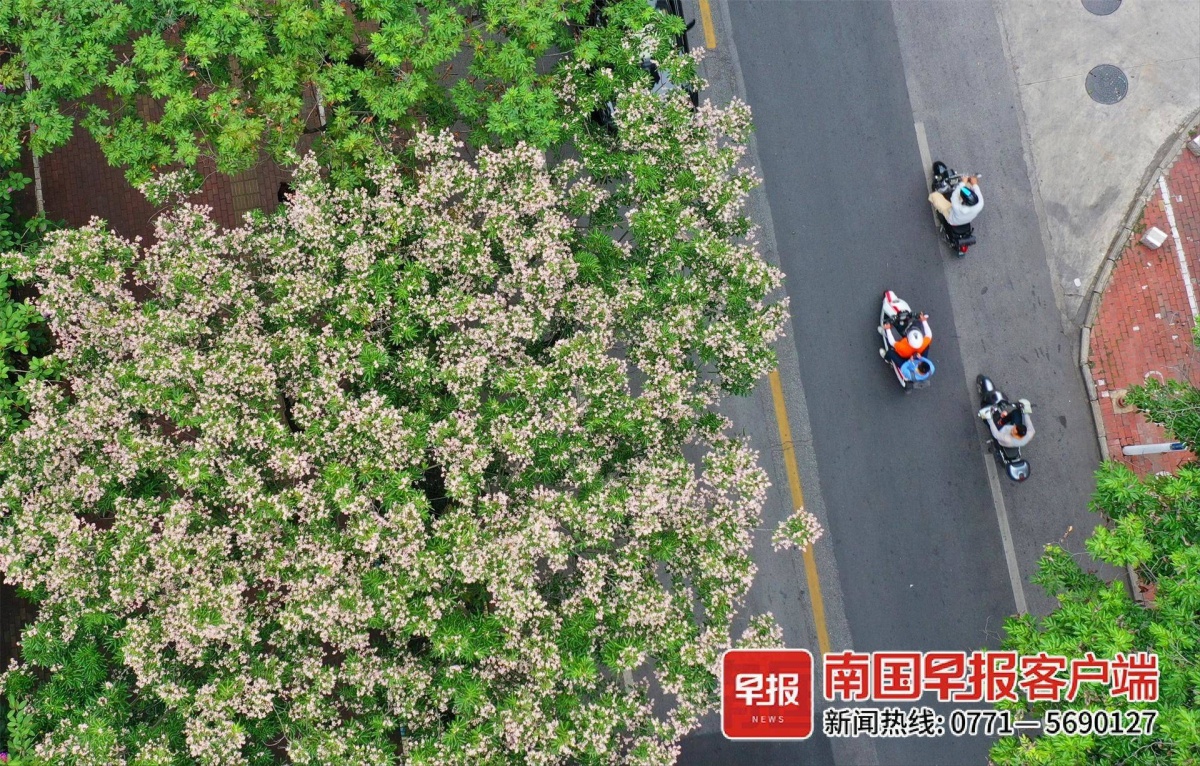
x: 1143, y: 328
x: 78, y: 183
x: 1088, y: 158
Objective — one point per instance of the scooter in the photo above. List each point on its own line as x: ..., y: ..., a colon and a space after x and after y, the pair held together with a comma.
x: 945, y: 180
x: 916, y: 371
x: 991, y: 401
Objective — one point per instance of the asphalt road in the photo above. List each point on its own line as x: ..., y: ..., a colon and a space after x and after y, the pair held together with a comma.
x: 836, y: 88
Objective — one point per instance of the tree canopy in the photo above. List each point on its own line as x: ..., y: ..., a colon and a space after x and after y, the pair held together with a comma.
x: 417, y: 468
x: 162, y: 83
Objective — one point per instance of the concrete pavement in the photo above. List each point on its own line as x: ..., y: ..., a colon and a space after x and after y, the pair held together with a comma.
x: 1089, y: 160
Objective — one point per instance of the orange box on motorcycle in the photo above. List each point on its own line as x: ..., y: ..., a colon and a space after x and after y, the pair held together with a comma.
x: 918, y: 369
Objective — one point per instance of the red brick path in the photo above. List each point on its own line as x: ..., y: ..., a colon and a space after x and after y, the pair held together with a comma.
x: 1144, y: 325
x: 78, y: 183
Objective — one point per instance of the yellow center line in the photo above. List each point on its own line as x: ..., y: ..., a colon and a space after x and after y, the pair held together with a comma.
x: 710, y: 36
x: 793, y: 475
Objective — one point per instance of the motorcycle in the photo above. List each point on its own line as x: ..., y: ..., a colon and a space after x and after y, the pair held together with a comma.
x: 945, y: 180
x: 992, y: 402
x: 916, y: 371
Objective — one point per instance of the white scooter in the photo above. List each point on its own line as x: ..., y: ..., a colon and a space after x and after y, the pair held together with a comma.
x: 992, y: 402
x: 916, y: 371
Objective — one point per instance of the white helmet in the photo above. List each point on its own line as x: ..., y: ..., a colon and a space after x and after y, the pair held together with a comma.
x: 915, y: 338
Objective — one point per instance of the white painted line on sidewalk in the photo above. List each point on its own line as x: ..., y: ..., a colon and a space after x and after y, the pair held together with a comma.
x: 1006, y: 538
x: 1187, y: 276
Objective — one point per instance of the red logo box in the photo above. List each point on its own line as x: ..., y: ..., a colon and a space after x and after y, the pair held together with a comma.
x: 767, y: 694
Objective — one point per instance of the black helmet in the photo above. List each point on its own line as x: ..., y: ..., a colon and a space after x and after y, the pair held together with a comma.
x: 969, y: 198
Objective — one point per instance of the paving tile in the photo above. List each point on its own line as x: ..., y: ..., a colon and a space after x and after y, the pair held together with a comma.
x: 1148, y: 291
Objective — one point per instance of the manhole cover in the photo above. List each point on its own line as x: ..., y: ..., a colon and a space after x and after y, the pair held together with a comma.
x: 1102, y: 7
x: 1107, y: 84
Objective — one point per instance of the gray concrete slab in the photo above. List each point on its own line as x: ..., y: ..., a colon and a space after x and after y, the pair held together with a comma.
x: 1089, y: 160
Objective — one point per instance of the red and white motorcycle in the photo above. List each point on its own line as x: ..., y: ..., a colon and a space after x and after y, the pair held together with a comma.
x: 916, y: 370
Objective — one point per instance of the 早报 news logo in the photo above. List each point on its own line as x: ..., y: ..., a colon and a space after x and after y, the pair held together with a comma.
x: 769, y: 693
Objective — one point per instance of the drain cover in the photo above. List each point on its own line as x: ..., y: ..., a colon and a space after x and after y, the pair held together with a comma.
x: 1107, y: 84
x: 1102, y: 7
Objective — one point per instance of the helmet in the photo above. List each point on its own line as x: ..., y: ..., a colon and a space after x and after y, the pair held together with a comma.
x: 968, y: 196
x: 915, y: 338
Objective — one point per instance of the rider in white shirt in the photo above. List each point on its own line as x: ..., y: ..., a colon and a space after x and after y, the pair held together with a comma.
x: 1015, y: 426
x: 964, y: 204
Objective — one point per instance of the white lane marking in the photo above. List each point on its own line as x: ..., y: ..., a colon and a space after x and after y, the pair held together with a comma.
x: 1006, y: 538
x: 1010, y: 551
x: 926, y: 160
x: 1187, y: 277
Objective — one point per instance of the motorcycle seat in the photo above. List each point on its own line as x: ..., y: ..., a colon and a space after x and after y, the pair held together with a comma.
x: 958, y: 232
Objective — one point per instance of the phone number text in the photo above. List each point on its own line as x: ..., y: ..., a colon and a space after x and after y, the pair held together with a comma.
x: 926, y: 722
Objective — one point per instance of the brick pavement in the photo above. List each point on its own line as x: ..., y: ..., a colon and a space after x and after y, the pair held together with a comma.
x: 78, y: 183
x: 1144, y: 325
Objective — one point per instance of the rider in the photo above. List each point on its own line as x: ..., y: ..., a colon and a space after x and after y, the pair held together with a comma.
x: 914, y: 341
x: 964, y: 203
x: 1010, y: 424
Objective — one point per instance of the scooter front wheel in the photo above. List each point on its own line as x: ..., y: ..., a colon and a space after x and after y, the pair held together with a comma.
x: 982, y: 385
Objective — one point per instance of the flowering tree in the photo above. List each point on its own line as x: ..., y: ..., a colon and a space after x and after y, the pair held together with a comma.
x: 399, y: 471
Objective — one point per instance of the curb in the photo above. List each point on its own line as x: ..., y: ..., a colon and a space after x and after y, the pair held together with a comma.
x: 1165, y: 158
